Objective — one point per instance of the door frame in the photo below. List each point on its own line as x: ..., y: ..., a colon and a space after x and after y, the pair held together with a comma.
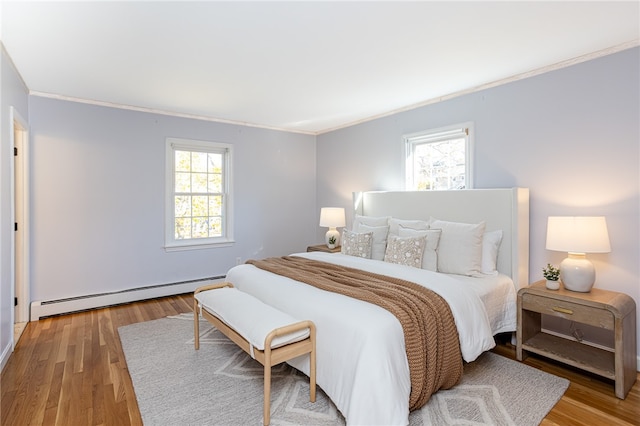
x: 20, y: 282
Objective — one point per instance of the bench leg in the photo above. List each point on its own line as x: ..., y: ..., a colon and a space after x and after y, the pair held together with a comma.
x: 196, y: 325
x: 312, y: 376
x: 267, y: 393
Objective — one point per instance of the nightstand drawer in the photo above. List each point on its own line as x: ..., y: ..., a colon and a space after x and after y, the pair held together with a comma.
x: 572, y: 311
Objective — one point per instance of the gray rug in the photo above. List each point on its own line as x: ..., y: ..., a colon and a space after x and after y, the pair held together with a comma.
x: 221, y: 385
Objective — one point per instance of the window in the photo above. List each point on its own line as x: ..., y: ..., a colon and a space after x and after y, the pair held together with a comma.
x: 198, y: 200
x: 439, y: 159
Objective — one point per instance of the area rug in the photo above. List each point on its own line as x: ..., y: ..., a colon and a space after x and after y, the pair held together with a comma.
x: 221, y: 385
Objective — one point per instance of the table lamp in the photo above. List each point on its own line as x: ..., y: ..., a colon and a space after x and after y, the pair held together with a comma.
x: 577, y: 235
x: 332, y: 217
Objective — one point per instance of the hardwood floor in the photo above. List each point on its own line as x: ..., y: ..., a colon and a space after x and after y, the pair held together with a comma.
x: 70, y: 370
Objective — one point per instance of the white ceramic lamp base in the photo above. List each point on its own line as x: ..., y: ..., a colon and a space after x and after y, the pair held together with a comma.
x: 332, y: 232
x: 577, y: 273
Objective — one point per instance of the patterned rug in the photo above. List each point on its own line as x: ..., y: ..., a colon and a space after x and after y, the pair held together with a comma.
x: 221, y: 385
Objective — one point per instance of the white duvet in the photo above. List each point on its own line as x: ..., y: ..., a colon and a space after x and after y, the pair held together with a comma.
x: 361, y: 358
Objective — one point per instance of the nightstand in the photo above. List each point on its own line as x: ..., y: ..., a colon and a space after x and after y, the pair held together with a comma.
x: 609, y: 310
x: 323, y: 247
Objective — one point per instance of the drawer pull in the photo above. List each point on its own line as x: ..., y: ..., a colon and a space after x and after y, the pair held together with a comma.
x: 563, y: 310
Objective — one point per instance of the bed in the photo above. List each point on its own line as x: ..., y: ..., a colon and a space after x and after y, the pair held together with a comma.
x: 361, y: 359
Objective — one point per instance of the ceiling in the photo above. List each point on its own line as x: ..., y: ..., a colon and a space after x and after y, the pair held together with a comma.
x: 306, y: 67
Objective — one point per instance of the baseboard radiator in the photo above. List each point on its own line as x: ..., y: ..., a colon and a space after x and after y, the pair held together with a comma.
x: 41, y: 309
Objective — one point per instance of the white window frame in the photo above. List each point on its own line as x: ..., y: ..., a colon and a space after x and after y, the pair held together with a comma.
x: 410, y: 141
x: 173, y: 244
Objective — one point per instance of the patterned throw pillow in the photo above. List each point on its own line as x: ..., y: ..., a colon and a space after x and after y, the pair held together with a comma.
x: 405, y: 251
x: 357, y: 244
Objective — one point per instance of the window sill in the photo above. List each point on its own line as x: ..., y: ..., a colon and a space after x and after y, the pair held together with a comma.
x: 183, y: 246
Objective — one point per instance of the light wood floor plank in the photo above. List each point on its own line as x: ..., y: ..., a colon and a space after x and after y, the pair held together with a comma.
x: 71, y: 370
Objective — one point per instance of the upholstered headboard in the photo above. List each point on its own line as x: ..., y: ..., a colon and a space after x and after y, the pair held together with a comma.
x: 506, y: 209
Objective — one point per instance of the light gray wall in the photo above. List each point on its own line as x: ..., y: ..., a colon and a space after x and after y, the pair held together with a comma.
x: 97, y: 200
x: 572, y: 136
x: 13, y: 93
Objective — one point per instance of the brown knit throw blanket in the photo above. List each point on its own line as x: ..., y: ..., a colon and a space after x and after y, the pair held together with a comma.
x: 430, y: 334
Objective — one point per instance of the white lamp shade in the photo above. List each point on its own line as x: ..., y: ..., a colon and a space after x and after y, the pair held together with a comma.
x: 578, y: 234
x: 332, y: 217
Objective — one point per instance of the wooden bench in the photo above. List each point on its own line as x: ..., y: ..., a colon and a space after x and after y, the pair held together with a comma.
x: 267, y: 334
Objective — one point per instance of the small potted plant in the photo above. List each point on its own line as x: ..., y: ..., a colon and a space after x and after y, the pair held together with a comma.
x: 332, y: 242
x: 552, y: 275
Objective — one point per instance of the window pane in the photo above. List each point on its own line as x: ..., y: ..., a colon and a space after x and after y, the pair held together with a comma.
x: 215, y: 206
x: 183, y: 228
x: 200, y: 227
x: 199, y: 206
x: 199, y: 182
x: 183, y: 182
x: 182, y: 206
x: 215, y: 163
x: 199, y: 162
x: 215, y: 226
x: 215, y: 183
x: 183, y: 161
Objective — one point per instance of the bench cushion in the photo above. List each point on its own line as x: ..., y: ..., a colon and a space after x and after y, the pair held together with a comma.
x: 249, y: 316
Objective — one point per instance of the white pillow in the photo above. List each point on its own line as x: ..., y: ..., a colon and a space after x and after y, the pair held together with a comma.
x: 430, y: 256
x: 379, y: 239
x: 460, y: 247
x: 395, y: 224
x: 490, y: 245
x: 405, y: 251
x: 355, y: 244
x: 369, y: 221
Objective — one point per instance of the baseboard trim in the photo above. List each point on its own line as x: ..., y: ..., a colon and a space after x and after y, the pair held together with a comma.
x: 6, y: 353
x: 41, y: 309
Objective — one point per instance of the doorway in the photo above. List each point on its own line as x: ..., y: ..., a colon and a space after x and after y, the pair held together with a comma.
x: 20, y: 212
